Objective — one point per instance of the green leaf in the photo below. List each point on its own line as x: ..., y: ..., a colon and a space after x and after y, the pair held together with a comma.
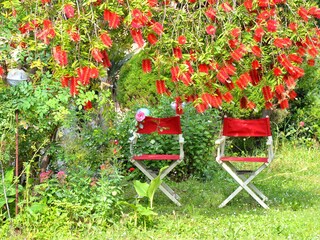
x: 154, y: 185
x: 141, y: 188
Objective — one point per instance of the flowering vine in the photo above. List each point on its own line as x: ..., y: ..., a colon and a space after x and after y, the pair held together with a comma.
x: 213, y: 53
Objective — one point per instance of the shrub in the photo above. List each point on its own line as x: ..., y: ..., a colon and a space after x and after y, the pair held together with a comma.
x: 135, y: 87
x: 199, y: 131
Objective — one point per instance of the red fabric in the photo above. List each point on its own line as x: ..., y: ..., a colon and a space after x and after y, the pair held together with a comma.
x: 156, y: 157
x: 244, y: 159
x: 170, y: 125
x: 234, y: 127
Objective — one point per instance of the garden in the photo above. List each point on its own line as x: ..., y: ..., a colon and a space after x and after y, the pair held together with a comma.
x: 80, y: 78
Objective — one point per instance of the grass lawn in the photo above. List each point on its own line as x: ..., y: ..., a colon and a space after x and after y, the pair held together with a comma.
x: 292, y: 183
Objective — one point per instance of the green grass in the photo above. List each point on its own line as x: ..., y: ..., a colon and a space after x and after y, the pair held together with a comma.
x: 292, y: 183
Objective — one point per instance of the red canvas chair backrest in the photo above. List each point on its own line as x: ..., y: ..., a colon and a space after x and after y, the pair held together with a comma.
x: 233, y: 127
x: 169, y: 125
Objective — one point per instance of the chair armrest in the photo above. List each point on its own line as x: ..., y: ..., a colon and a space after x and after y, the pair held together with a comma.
x: 220, y: 140
x: 133, y: 139
x: 269, y: 141
x: 181, y: 139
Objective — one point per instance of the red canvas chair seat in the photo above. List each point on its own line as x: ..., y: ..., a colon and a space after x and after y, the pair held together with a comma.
x: 162, y: 126
x: 257, y: 128
x: 156, y: 157
x: 244, y: 159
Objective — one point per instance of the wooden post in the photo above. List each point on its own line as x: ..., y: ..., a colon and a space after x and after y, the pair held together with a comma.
x: 17, y: 162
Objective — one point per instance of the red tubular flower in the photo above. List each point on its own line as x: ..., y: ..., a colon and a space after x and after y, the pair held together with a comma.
x: 233, y: 43
x: 293, y: 26
x: 211, y: 13
x: 106, y: 39
x: 295, y: 58
x: 258, y: 34
x: 280, y: 90
x: 211, y: 30
x: 106, y: 61
x: 272, y: 25
x: 182, y: 40
x: 94, y: 72
x: 179, y: 108
x: 222, y: 76
x: 255, y: 64
x: 229, y: 85
x: 84, y: 75
x: 256, y: 51
x: 235, y: 32
x: 68, y: 10
x: 73, y: 86
x: 60, y: 56
x: 65, y: 81
x: 268, y: 105
x: 74, y: 36
x: 284, y: 104
x: 277, y: 71
x: 175, y: 73
x: 243, y: 80
x: 45, y: 1
x: 186, y: 78
x: 152, y: 3
x: 311, y: 62
x: 97, y: 55
x: 248, y: 5
x: 227, y: 97
x: 230, y: 69
x: 203, y: 68
x: 112, y: 18
x: 290, y: 81
x: 267, y: 93
x: 226, y: 7
x: 201, y: 107
x: 303, y: 13
x: 244, y: 102
x: 157, y: 28
x: 1, y: 71
x: 87, y: 106
x: 161, y: 87
x: 263, y: 3
x: 292, y: 94
x: 237, y: 54
x: 146, y: 65
x: 137, y: 37
x: 313, y: 52
x: 152, y: 39
x: 251, y: 105
x: 177, y: 52
x: 188, y: 63
x: 255, y: 76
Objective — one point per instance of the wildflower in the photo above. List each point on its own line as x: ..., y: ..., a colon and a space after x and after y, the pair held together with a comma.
x: 131, y: 169
x: 88, y: 105
x: 140, y: 116
x: 45, y: 176
x: 301, y: 124
x: 61, y: 175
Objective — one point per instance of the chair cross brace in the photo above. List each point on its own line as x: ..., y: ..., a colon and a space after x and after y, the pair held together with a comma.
x: 174, y: 197
x: 245, y: 183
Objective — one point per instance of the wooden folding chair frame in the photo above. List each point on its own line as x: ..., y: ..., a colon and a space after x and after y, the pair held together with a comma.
x: 239, y: 175
x: 161, y: 126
